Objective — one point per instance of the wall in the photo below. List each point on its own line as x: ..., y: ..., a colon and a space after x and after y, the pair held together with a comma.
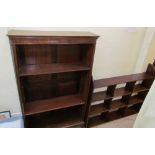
x: 116, y: 54
x: 151, y: 53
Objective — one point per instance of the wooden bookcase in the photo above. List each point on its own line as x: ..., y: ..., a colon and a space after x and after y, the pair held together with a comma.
x: 118, y: 96
x: 53, y: 72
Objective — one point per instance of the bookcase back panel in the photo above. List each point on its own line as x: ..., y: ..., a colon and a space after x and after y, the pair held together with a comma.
x: 50, y: 86
x: 48, y: 54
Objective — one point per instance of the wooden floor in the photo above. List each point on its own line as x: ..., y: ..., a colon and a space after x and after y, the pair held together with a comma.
x: 126, y: 122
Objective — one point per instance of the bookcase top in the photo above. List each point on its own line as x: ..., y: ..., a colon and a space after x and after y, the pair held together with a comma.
x: 30, y: 33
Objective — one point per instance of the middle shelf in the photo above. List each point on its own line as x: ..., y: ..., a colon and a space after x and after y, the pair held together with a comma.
x: 41, y: 106
x: 41, y: 69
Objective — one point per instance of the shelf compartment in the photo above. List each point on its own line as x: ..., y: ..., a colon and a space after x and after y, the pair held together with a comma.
x: 135, y: 100
x: 113, y: 115
x: 133, y: 109
x: 121, y: 92
x: 56, y: 119
x: 96, y: 110
x: 29, y: 70
x: 41, y: 106
x: 116, y: 104
x: 100, y: 96
x: 97, y: 120
x: 140, y: 88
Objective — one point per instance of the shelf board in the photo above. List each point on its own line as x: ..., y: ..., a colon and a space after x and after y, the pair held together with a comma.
x: 121, y: 92
x: 100, y: 96
x: 130, y: 111
x: 96, y: 110
x: 28, y: 70
x: 62, y: 122
x: 135, y: 100
x: 140, y: 88
x: 116, y: 104
x: 121, y: 79
x: 52, y: 104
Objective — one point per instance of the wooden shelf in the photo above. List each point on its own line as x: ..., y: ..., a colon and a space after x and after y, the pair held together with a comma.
x: 56, y: 119
x: 63, y: 123
x: 140, y: 88
x: 96, y: 110
x: 121, y: 79
x: 121, y: 92
x: 113, y: 115
x: 100, y: 96
x: 51, y: 68
x: 135, y: 100
x: 130, y: 111
x: 116, y: 104
x: 52, y: 104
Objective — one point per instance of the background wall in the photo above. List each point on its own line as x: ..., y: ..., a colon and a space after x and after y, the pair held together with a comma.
x: 116, y: 54
x: 151, y: 52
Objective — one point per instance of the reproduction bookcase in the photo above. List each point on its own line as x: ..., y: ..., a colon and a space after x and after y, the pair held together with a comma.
x: 53, y: 73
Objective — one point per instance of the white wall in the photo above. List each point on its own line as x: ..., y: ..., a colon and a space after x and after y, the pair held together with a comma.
x: 116, y: 54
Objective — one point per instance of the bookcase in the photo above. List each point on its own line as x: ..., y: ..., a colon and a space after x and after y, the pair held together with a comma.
x: 117, y: 97
x: 53, y: 73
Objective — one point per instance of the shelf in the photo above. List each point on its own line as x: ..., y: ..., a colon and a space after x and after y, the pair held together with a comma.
x: 135, y: 100
x: 97, y: 120
x: 61, y: 119
x: 121, y: 92
x: 52, y: 104
x: 51, y: 68
x: 121, y: 79
x: 113, y: 116
x: 140, y: 88
x: 64, y: 123
x: 116, y: 104
x: 131, y: 111
x: 96, y: 110
x: 100, y: 96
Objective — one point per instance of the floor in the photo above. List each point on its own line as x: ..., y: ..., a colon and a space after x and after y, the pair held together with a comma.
x: 126, y: 122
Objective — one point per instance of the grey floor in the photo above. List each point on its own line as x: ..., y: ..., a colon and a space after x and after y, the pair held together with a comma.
x: 126, y: 122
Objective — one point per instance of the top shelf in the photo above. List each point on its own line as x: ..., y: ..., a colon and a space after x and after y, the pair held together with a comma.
x: 29, y: 70
x: 121, y: 79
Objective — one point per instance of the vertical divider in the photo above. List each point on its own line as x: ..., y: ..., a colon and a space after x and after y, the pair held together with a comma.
x: 129, y: 87
x: 110, y: 92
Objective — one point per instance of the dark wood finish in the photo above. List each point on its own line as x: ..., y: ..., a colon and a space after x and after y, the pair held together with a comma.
x: 130, y: 99
x: 121, y: 79
x: 53, y: 72
x: 56, y: 119
x: 98, y: 109
x: 52, y: 104
x: 51, y: 68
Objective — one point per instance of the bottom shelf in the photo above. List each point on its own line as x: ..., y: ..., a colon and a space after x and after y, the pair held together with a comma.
x: 132, y: 110
x: 113, y: 115
x: 56, y: 119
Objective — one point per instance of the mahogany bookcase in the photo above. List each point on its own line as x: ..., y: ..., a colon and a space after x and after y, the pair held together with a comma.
x: 53, y: 73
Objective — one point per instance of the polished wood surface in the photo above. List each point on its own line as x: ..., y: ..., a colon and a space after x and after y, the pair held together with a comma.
x: 52, y: 104
x: 121, y: 79
x: 52, y: 68
x: 53, y: 72
x: 30, y: 33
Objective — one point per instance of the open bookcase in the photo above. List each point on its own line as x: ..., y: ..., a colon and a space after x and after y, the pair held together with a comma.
x: 53, y: 72
x: 117, y: 97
